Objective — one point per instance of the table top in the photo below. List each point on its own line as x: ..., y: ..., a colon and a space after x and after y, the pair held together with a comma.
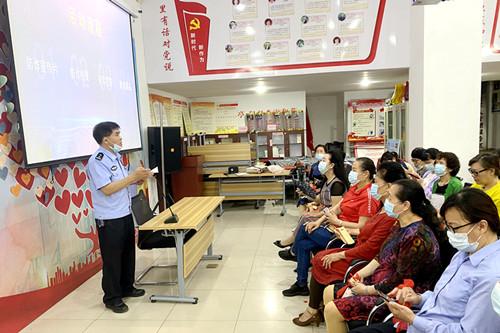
x: 192, y: 213
x: 252, y: 175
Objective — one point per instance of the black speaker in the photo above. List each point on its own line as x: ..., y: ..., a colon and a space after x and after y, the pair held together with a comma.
x: 172, y: 148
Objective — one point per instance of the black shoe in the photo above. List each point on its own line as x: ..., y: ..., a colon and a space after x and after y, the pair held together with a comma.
x: 287, y: 255
x: 134, y: 293
x: 118, y: 308
x: 278, y: 244
x: 296, y: 290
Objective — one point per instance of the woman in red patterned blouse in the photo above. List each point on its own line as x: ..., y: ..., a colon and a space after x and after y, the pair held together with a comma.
x: 330, y: 265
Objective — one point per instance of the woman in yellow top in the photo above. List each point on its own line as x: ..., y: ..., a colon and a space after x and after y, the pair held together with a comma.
x: 485, y: 169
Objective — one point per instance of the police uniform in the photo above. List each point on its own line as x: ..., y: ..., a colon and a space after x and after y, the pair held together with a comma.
x: 115, y: 225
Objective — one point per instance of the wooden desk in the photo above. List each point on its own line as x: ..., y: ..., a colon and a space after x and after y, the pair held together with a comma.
x: 252, y: 187
x: 194, y: 213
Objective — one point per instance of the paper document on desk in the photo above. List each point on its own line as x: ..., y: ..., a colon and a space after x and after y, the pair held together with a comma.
x: 241, y: 174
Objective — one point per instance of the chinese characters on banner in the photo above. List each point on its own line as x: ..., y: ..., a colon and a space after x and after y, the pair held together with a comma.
x: 165, y: 32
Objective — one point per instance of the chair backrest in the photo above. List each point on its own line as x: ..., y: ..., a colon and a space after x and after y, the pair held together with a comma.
x: 140, y: 208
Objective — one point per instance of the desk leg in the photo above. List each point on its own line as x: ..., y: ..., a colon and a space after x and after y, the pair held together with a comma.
x: 182, y: 298
x: 221, y: 209
x: 210, y: 254
x: 283, y: 210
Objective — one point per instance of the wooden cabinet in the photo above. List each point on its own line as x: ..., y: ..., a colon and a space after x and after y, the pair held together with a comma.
x: 188, y: 182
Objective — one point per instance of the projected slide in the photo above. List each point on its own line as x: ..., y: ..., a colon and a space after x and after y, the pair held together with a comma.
x: 74, y: 68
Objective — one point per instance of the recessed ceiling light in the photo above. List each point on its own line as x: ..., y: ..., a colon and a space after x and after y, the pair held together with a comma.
x: 240, y: 7
x: 365, y: 82
x: 261, y: 88
x: 250, y: 30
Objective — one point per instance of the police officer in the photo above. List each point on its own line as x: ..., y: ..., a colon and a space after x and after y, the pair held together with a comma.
x: 111, y: 194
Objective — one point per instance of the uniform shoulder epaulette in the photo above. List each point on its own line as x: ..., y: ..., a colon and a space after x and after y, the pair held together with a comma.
x: 99, y: 156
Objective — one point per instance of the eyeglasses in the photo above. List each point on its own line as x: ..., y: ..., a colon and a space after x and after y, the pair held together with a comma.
x: 454, y: 229
x: 476, y: 173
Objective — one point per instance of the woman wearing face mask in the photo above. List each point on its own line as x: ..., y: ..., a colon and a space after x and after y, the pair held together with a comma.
x: 335, y: 185
x: 421, y: 161
x: 447, y: 167
x: 356, y: 207
x: 485, y: 169
x: 315, y: 178
x: 330, y: 265
x: 410, y: 252
x: 461, y: 301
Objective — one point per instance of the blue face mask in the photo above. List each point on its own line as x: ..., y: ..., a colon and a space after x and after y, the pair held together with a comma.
x: 116, y: 148
x: 322, y: 167
x: 353, y: 178
x: 429, y: 167
x: 389, y: 209
x: 440, y: 170
x: 374, y: 191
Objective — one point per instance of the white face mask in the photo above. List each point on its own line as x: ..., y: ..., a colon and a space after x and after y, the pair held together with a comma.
x: 495, y: 298
x: 460, y: 241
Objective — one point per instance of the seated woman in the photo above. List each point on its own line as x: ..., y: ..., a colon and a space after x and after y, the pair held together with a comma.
x: 330, y: 265
x: 357, y: 207
x: 485, y: 169
x: 461, y: 300
x: 314, y: 177
x: 410, y: 252
x: 334, y: 186
x: 446, y: 168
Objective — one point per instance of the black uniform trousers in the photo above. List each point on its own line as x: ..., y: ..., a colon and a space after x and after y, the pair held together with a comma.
x: 117, y: 242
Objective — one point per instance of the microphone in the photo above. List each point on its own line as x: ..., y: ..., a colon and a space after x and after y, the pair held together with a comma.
x: 171, y: 219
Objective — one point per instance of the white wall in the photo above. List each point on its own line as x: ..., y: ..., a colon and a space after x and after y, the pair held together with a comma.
x: 327, y: 118
x: 445, y: 91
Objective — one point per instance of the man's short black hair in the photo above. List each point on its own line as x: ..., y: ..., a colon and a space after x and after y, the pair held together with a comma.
x: 103, y: 130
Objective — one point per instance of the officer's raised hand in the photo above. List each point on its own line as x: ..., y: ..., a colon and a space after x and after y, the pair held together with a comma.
x: 140, y: 174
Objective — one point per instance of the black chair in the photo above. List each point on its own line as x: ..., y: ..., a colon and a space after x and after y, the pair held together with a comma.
x: 148, y: 239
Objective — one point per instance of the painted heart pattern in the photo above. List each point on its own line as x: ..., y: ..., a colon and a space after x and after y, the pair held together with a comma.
x: 77, y: 198
x: 4, y: 172
x: 16, y: 155
x: 5, y: 124
x: 44, y: 172
x: 46, y: 196
x: 63, y: 202
x: 71, y: 165
x: 88, y: 196
x: 76, y: 218
x: 4, y: 139
x: 79, y: 177
x: 61, y: 176
x: 24, y: 178
x: 86, y: 212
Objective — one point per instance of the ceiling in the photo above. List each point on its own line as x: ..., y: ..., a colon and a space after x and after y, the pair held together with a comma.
x: 312, y: 84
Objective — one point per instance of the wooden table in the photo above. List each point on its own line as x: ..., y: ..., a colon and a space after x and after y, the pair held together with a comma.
x: 195, y: 213
x: 251, y: 186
